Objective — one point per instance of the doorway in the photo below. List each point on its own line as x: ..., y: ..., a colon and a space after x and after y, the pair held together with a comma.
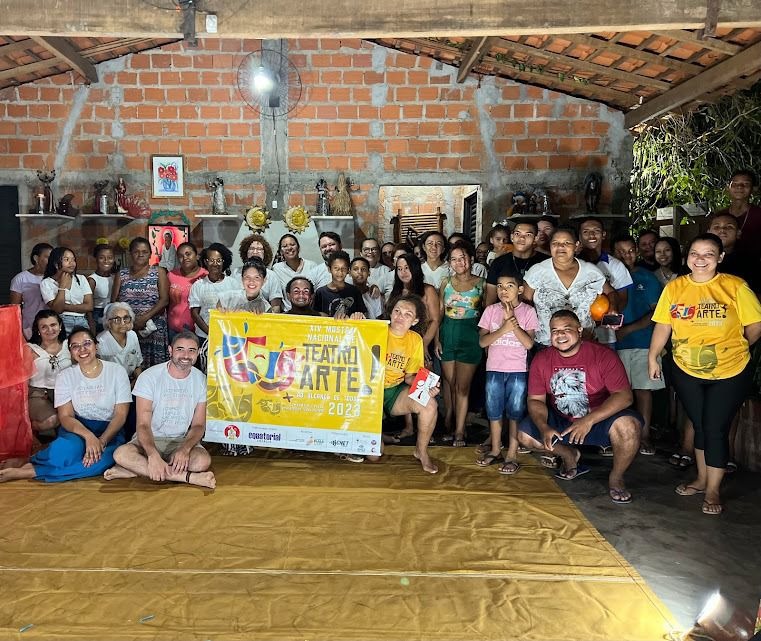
x: 10, y: 240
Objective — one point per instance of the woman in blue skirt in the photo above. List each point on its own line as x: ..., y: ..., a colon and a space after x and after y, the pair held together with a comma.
x: 92, y: 399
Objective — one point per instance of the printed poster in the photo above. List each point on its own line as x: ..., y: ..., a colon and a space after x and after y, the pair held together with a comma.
x: 296, y: 382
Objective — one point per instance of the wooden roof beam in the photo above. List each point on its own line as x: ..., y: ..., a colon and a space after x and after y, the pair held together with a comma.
x: 376, y: 19
x: 479, y: 47
x: 19, y: 45
x: 714, y: 44
x: 583, y: 65
x: 63, y: 49
x: 744, y: 63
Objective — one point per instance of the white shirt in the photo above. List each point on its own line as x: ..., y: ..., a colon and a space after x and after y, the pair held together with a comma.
x: 320, y: 276
x: 550, y: 294
x: 272, y: 287
x: 75, y: 295
x: 93, y: 398
x: 101, y: 295
x: 285, y: 274
x: 383, y: 277
x: 238, y: 301
x: 374, y: 305
x: 174, y: 399
x: 47, y: 366
x: 435, y: 276
x: 129, y: 356
x: 205, y: 295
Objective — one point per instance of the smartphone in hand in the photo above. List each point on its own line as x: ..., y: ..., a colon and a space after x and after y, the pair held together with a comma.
x: 613, y: 321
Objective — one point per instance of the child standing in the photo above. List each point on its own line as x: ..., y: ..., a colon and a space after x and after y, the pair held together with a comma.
x: 337, y: 299
x: 507, y: 330
x: 101, y: 283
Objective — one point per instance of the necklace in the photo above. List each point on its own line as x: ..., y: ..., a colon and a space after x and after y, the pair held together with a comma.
x: 90, y: 371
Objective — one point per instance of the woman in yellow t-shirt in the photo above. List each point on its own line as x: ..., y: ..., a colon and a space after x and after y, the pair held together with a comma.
x: 404, y: 357
x: 712, y: 320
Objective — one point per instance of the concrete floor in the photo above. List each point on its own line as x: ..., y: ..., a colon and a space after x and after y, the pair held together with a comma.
x: 683, y: 554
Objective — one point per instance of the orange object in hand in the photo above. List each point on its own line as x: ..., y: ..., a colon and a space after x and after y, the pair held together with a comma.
x: 599, y: 307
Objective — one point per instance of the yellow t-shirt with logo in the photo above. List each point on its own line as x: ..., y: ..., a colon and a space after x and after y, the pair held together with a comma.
x: 404, y: 355
x: 707, y: 322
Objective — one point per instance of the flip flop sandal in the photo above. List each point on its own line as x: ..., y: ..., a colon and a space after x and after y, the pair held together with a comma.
x: 606, y: 451
x: 731, y: 468
x: 459, y: 442
x: 489, y: 459
x: 647, y: 450
x: 509, y: 467
x: 619, y: 495
x: 573, y: 473
x: 549, y: 461
x: 524, y: 450
x: 712, y: 509
x: 685, y: 461
x: 688, y: 490
x: 675, y: 459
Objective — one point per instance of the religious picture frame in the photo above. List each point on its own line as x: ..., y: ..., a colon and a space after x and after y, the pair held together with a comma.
x: 167, y: 177
x: 164, y: 239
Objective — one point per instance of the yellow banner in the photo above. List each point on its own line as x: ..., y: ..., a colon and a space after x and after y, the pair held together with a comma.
x: 295, y: 382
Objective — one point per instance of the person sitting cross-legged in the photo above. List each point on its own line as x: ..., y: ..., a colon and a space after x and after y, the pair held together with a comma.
x: 578, y: 394
x: 171, y: 419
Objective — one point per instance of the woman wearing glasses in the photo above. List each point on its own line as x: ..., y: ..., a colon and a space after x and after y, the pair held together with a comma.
x: 118, y: 343
x: 92, y: 399
x: 146, y: 289
x: 51, y: 355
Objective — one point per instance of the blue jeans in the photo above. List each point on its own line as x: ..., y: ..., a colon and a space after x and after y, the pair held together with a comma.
x: 506, y: 394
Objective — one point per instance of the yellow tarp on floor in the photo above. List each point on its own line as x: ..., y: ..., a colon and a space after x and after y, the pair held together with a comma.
x: 305, y: 547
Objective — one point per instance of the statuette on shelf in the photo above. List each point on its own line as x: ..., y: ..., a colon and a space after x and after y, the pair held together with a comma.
x: 218, y: 202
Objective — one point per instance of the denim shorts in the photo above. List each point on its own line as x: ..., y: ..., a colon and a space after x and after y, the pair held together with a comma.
x: 598, y: 435
x: 506, y: 395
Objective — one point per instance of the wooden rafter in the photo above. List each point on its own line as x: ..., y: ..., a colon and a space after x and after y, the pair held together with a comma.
x: 479, y: 47
x: 19, y: 45
x: 551, y: 81
x: 63, y: 49
x: 714, y: 44
x: 744, y: 63
x: 583, y: 65
x: 643, y: 56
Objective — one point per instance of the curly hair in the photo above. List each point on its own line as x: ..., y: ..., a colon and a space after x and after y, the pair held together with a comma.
x: 245, y: 244
x: 227, y: 256
x: 420, y: 311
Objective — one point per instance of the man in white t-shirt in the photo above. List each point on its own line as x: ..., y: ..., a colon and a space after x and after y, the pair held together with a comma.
x: 380, y: 276
x: 329, y: 242
x: 171, y: 420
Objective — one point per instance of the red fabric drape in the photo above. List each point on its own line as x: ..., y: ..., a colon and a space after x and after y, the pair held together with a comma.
x: 16, y: 367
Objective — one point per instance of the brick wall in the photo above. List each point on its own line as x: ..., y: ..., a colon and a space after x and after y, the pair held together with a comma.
x: 381, y: 116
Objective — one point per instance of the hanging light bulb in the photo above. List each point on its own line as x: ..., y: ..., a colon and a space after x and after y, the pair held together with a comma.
x: 263, y: 81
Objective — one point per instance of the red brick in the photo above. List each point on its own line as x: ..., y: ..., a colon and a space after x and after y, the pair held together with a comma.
x: 470, y: 163
x: 523, y: 111
x: 537, y: 127
x: 338, y: 129
x: 326, y: 112
x: 317, y: 163
x: 449, y: 162
x: 525, y: 145
x: 581, y: 127
x: 514, y: 163
x: 536, y: 162
x: 547, y: 144
x: 512, y: 92
x: 347, y: 112
x: 559, y: 127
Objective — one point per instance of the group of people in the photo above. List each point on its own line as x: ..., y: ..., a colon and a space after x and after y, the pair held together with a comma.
x: 555, y: 375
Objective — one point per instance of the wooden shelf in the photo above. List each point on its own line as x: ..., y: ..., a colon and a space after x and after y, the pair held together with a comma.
x: 331, y: 217
x: 611, y: 216
x: 219, y: 216
x: 46, y: 216
x: 107, y: 217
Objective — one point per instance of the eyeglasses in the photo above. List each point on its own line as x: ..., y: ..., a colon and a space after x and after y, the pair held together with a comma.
x: 215, y: 261
x: 75, y: 347
x: 119, y: 320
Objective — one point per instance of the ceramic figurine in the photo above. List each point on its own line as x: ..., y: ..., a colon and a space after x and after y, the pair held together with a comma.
x: 592, y: 189
x: 121, y: 197
x: 323, y: 204
x: 218, y: 203
x: 46, y: 203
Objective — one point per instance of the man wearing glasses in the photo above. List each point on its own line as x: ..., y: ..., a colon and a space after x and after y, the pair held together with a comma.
x: 516, y: 262
x: 380, y: 275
